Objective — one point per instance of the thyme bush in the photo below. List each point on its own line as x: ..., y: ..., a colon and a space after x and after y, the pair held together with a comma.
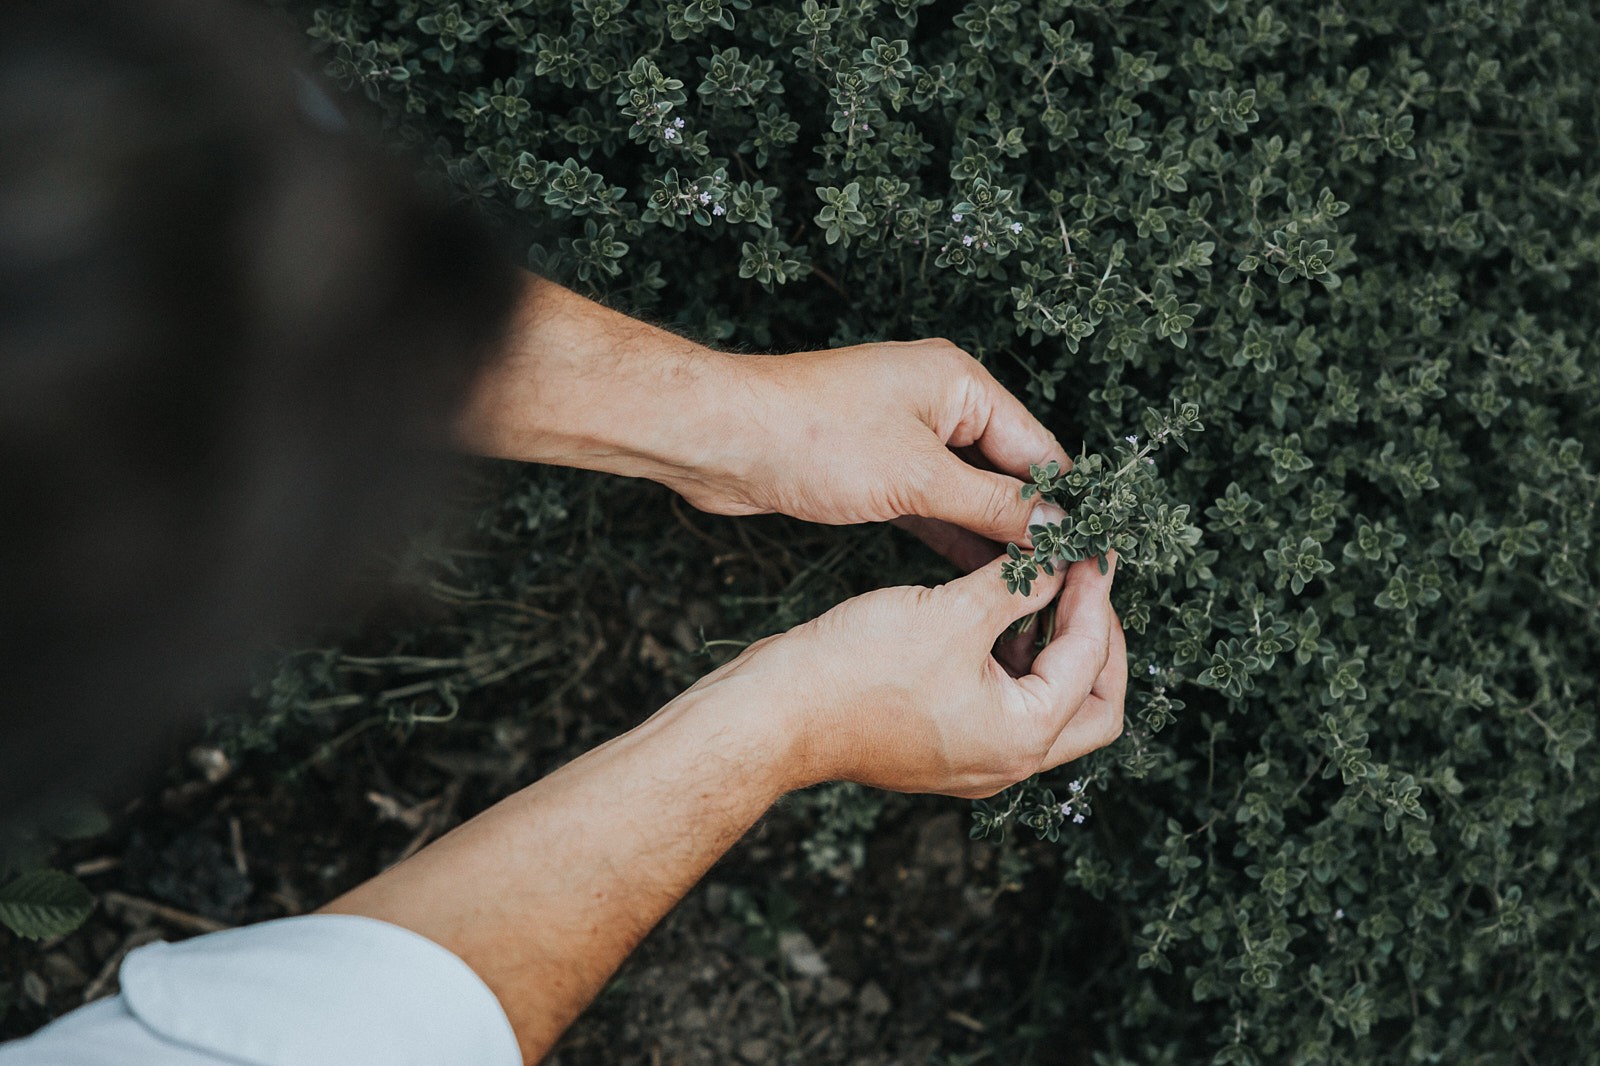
x: 1354, y: 814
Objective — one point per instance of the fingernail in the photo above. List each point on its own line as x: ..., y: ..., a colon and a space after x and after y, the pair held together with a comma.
x: 1044, y: 514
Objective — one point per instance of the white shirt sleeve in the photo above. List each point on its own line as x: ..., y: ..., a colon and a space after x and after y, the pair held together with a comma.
x: 321, y: 990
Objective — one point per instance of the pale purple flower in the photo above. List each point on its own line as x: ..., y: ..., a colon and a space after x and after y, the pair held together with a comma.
x: 1077, y: 819
x: 967, y: 240
x: 1076, y: 786
x: 677, y: 123
x: 1133, y: 439
x: 1152, y: 670
x: 718, y: 209
x: 956, y: 217
x: 669, y: 134
x: 1016, y: 227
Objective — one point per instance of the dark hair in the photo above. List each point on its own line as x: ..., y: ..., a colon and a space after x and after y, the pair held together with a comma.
x: 231, y: 339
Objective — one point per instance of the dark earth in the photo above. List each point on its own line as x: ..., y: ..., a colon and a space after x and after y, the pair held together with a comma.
x: 925, y: 954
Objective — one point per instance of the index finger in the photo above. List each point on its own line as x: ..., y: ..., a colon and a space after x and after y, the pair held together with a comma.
x: 1011, y: 438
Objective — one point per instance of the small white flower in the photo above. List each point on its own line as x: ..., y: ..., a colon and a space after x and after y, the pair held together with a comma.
x: 1133, y: 439
x: 1077, y: 819
x: 1066, y: 809
x: 718, y: 209
x: 1076, y: 786
x: 1016, y: 227
x: 956, y: 217
x: 669, y: 134
x: 677, y: 123
x: 866, y: 127
x: 1339, y: 913
x: 967, y: 240
x: 705, y: 197
x: 1152, y: 670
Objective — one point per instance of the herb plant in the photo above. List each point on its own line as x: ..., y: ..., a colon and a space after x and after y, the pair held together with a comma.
x: 1353, y: 817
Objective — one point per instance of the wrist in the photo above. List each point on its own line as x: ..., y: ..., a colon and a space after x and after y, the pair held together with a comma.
x: 581, y: 385
x: 763, y: 724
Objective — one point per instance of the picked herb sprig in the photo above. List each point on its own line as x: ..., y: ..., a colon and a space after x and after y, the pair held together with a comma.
x: 1106, y: 504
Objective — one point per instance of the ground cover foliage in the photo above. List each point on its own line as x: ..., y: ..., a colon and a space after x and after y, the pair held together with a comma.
x: 1344, y: 253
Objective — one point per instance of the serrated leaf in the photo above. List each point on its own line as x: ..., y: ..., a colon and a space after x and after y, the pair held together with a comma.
x: 44, y: 904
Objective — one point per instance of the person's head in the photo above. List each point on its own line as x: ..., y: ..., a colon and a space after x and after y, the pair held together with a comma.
x: 231, y: 336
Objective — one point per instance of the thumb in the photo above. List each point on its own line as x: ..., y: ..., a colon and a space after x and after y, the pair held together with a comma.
x: 983, y: 594
x: 987, y: 503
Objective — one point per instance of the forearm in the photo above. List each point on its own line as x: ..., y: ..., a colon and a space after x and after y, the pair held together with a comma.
x: 546, y: 893
x: 579, y: 384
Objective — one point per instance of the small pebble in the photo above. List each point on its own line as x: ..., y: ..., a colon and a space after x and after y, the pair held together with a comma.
x: 802, y: 955
x: 716, y: 897
x: 756, y: 1050
x: 873, y: 999
x: 34, y: 989
x: 63, y: 972
x: 833, y: 991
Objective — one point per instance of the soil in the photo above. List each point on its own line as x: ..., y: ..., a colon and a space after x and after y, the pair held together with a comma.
x: 929, y: 954
x: 917, y: 957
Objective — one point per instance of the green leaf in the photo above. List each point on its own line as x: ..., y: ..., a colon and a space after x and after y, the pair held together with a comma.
x: 44, y: 904
x: 77, y: 819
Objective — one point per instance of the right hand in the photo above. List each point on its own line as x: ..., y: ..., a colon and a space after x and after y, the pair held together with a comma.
x: 898, y: 689
x: 872, y: 433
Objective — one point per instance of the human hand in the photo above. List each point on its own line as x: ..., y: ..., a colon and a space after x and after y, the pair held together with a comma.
x: 898, y: 689
x: 862, y: 434
x: 866, y: 434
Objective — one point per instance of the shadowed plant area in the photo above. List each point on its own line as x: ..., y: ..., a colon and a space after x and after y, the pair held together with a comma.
x: 1311, y: 290
x: 1353, y: 815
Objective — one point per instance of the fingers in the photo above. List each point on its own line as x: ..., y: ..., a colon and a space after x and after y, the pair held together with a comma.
x: 1112, y: 684
x: 986, y: 599
x: 1011, y: 438
x: 964, y: 548
x: 982, y: 502
x: 1098, y: 721
x: 1071, y: 666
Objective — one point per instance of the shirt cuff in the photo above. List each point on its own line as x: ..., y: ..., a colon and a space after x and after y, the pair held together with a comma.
x: 333, y: 989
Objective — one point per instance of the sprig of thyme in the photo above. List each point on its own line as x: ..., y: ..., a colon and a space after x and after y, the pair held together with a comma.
x: 1105, y: 505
